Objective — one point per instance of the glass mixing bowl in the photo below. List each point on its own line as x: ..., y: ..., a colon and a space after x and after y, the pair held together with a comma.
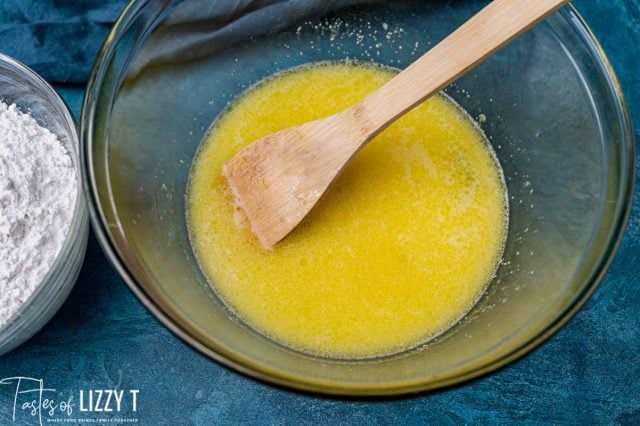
x: 549, y: 103
x: 21, y: 86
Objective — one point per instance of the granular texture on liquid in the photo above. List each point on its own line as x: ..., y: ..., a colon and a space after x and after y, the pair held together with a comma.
x: 399, y: 249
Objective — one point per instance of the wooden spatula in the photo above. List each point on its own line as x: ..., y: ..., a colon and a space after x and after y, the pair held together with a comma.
x: 277, y: 179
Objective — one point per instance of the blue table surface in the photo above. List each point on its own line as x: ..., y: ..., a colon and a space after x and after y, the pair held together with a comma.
x: 589, y: 372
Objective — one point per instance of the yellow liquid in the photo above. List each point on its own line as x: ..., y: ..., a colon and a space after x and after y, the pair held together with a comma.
x: 398, y: 250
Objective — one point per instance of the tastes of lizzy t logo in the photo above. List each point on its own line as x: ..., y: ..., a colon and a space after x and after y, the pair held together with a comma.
x: 34, y: 403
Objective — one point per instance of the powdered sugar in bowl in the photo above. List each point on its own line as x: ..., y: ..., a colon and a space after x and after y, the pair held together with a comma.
x: 44, y: 225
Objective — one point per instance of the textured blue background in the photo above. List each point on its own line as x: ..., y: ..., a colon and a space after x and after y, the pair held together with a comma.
x: 588, y: 373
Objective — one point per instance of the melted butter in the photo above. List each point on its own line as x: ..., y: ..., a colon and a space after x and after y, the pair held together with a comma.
x: 398, y: 250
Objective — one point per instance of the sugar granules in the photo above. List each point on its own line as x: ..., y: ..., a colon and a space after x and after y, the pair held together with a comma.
x: 37, y: 200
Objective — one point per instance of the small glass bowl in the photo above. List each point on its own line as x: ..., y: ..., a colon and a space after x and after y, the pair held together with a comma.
x: 22, y: 86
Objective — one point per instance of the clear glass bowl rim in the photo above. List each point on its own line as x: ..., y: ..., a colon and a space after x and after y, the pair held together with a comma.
x: 264, y: 372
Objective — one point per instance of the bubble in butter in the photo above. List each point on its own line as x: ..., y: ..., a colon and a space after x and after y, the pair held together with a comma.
x: 398, y: 250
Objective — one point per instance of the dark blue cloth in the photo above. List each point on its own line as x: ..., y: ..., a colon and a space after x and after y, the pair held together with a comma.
x: 59, y: 39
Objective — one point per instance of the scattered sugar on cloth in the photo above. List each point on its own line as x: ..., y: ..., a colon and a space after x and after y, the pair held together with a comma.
x: 37, y: 199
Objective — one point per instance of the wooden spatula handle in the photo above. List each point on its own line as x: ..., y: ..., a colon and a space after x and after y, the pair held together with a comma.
x: 482, y: 35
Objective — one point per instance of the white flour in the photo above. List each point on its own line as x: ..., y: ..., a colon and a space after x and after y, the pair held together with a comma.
x: 37, y: 198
